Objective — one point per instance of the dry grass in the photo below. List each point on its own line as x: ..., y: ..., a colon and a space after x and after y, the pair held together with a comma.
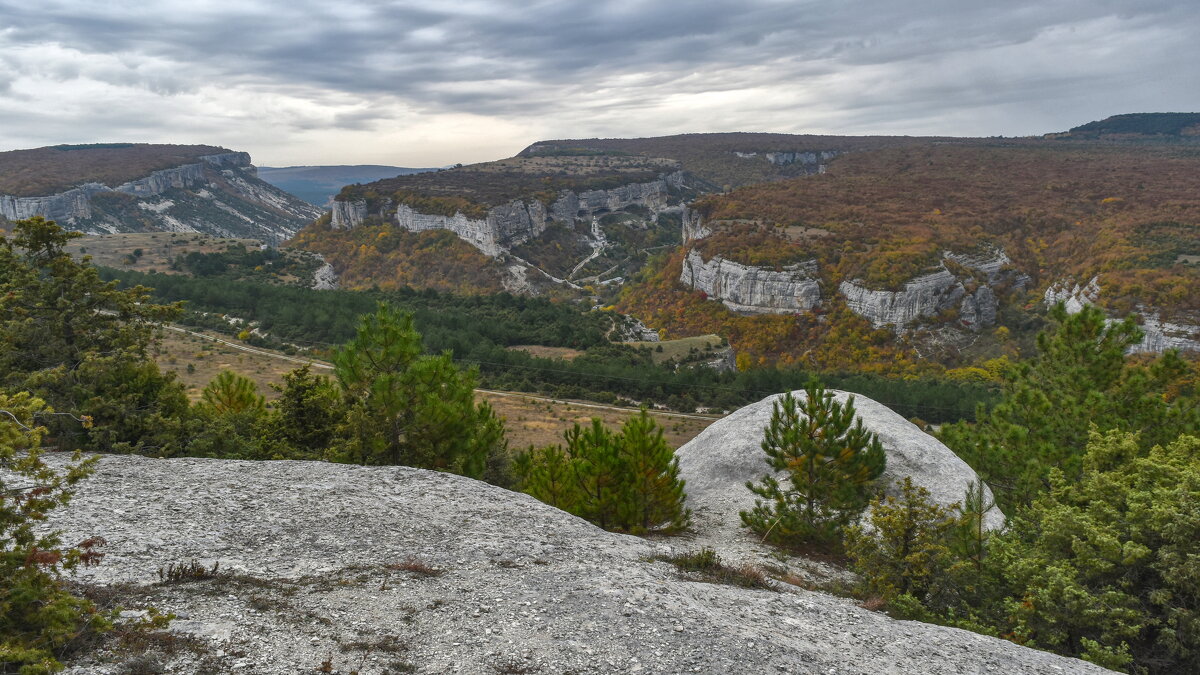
x: 111, y: 250
x: 543, y: 352
x: 528, y: 421
x: 678, y: 349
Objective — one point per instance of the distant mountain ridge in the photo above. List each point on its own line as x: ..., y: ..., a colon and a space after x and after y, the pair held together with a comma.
x: 138, y: 187
x: 1133, y: 125
x: 318, y: 185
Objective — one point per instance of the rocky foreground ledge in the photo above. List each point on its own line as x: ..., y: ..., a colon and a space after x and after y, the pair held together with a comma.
x: 326, y: 567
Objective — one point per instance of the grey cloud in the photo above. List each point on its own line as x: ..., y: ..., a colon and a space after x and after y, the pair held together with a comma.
x: 515, y: 59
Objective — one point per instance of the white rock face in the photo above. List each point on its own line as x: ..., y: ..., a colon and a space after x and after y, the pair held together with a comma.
x: 518, y: 221
x: 931, y: 294
x: 263, y: 210
x: 347, y: 215
x: 717, y: 463
x: 753, y: 289
x: 522, y: 583
x: 1182, y: 334
x: 693, y: 225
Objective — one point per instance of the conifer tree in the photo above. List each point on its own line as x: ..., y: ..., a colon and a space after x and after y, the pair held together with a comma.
x: 654, y: 492
x: 409, y: 408
x: 627, y: 481
x: 825, y: 461
x: 80, y: 344
x: 1080, y: 377
x: 232, y: 393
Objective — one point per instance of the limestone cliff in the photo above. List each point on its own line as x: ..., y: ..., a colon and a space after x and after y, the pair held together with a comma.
x: 969, y: 289
x: 742, y: 288
x: 219, y: 195
x: 1181, y: 333
x: 519, y: 220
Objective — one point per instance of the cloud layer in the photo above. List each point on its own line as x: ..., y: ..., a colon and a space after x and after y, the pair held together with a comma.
x: 421, y: 83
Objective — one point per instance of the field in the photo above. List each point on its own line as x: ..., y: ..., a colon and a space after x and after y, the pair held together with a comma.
x: 154, y: 251
x: 118, y: 250
x: 529, y: 420
x: 680, y: 349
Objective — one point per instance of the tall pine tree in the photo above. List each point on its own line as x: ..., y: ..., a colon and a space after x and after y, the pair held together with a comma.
x: 825, y: 461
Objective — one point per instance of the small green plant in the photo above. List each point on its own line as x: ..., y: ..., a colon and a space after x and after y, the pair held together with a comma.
x: 709, y: 566
x: 191, y: 570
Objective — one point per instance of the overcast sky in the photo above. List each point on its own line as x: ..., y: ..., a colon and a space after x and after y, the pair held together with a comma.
x: 441, y: 81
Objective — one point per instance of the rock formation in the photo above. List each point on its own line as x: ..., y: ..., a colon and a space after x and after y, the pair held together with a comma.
x: 717, y: 463
x: 742, y: 288
x: 968, y: 288
x: 519, y: 220
x: 392, y: 569
x: 218, y: 195
x: 1183, y: 333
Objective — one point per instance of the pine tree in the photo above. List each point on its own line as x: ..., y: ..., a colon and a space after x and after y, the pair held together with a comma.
x: 828, y: 461
x: 600, y: 472
x: 232, y: 393
x: 1080, y: 377
x: 905, y: 549
x: 408, y: 408
x: 654, y: 492
x: 81, y: 344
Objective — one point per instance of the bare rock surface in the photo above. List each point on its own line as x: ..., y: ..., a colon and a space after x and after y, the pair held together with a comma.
x: 718, y: 463
x: 390, y: 569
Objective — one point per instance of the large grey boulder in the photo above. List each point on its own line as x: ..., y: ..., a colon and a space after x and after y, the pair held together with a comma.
x: 717, y: 463
x: 334, y: 562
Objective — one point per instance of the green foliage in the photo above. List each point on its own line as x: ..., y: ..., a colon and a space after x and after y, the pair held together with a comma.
x: 230, y: 392
x: 904, y: 548
x: 1080, y: 377
x: 626, y: 481
x: 305, y: 417
x: 1105, y: 564
x: 828, y: 460
x: 80, y: 343
x: 408, y: 408
x: 38, y: 616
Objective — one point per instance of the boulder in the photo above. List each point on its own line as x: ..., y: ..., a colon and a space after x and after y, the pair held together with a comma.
x: 717, y: 463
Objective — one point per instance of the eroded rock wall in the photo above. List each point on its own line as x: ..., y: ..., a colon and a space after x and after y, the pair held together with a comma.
x: 1182, y: 332
x: 743, y: 288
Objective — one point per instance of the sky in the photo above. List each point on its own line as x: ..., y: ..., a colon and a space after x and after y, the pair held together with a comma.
x: 438, y: 82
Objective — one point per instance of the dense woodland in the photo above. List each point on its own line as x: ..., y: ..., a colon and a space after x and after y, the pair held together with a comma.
x: 479, y: 330
x: 46, y: 171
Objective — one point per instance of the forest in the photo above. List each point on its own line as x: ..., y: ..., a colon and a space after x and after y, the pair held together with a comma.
x: 478, y: 330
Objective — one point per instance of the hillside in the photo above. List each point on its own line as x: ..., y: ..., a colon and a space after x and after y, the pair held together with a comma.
x: 529, y: 225
x: 869, y: 238
x: 318, y: 185
x: 125, y: 187
x: 1134, y: 126
x: 732, y: 159
x: 46, y: 171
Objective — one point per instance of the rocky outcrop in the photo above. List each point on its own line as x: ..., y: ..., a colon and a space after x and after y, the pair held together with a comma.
x: 219, y: 194
x: 348, y: 214
x: 1181, y: 333
x: 693, y: 225
x: 813, y: 160
x: 517, y: 221
x: 393, y: 569
x: 964, y: 283
x: 742, y: 288
x: 717, y: 463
